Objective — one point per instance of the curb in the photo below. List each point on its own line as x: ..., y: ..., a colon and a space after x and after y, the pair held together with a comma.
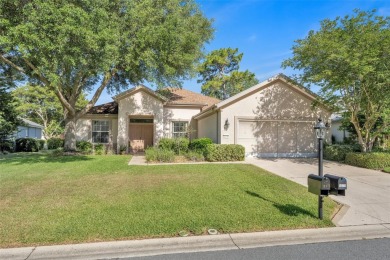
x: 148, y: 247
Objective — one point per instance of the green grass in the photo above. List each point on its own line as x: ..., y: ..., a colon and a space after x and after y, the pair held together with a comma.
x: 55, y: 200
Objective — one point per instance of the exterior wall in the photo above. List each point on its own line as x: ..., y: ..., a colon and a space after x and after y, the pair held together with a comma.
x: 339, y: 135
x: 275, y: 103
x: 208, y: 127
x: 31, y: 132
x: 179, y: 114
x: 139, y: 104
x: 84, y: 128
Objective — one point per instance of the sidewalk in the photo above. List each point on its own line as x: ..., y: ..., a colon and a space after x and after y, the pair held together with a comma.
x: 147, y: 247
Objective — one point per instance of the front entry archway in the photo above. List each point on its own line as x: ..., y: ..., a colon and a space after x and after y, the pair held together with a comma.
x: 140, y: 134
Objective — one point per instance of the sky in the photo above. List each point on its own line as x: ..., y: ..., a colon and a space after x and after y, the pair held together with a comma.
x: 265, y: 30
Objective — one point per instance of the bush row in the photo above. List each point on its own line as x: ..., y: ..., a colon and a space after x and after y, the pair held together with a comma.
x: 337, y: 152
x: 368, y: 160
x: 197, y: 150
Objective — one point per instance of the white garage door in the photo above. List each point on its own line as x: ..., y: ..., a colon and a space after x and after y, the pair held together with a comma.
x: 277, y: 138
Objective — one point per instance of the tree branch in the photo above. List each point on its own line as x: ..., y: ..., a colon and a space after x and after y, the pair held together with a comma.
x: 107, y: 77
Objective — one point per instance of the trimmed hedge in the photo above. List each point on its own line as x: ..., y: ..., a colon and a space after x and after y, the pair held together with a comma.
x: 368, y: 160
x: 153, y: 154
x: 200, y: 145
x: 84, y: 146
x: 26, y: 145
x: 224, y: 152
x: 54, y: 143
x: 337, y: 152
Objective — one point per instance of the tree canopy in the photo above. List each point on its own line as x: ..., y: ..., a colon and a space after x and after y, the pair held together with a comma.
x: 9, y: 119
x: 220, y: 76
x: 81, y: 46
x: 349, y: 58
x: 43, y: 107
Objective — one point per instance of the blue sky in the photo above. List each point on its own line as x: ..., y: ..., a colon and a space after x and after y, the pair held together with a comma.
x: 265, y: 30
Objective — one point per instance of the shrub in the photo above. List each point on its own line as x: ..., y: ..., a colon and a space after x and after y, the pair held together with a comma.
x: 54, y: 143
x: 225, y: 152
x: 337, y: 152
x: 200, y: 145
x: 26, y: 145
x: 153, y: 154
x: 368, y: 160
x: 98, y: 149
x: 194, y: 156
x: 84, y: 146
x: 166, y: 144
x: 58, y: 152
x: 178, y: 145
x: 387, y: 169
x: 6, y: 146
x: 41, y: 144
x: 122, y: 149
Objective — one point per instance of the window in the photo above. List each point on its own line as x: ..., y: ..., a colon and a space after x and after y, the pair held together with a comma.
x: 100, y: 131
x: 141, y: 120
x: 179, y: 129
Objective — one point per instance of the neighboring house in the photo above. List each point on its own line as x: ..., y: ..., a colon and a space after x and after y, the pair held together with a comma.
x: 272, y: 119
x: 29, y: 129
x: 339, y: 135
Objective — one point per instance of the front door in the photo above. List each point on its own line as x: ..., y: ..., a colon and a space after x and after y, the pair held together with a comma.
x: 140, y: 136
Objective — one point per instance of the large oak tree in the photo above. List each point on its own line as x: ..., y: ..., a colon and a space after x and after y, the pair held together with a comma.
x: 349, y: 58
x: 79, y: 46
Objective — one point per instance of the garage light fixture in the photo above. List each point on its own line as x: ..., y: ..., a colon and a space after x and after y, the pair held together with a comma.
x: 227, y: 124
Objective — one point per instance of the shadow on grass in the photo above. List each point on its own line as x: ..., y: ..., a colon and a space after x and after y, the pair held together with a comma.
x: 287, y: 209
x: 31, y: 158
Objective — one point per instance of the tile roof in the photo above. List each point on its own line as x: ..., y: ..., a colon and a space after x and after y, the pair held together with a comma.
x: 178, y: 96
x: 107, y: 108
x: 174, y: 96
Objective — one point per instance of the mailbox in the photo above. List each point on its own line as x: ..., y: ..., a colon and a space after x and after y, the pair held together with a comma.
x: 338, y: 184
x: 319, y: 185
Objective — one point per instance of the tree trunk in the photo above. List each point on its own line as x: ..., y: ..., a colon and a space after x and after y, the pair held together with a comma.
x: 70, y: 134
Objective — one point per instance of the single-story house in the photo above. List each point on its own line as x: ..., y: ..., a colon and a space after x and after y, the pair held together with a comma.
x: 274, y: 118
x: 29, y: 129
x: 339, y: 135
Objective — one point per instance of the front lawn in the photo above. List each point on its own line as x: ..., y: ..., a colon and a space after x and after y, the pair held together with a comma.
x: 55, y: 200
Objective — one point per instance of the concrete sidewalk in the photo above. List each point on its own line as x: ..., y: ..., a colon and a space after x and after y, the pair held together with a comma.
x: 136, y: 248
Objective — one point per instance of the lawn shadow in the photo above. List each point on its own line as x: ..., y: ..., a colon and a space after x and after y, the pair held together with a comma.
x: 31, y: 158
x: 287, y: 209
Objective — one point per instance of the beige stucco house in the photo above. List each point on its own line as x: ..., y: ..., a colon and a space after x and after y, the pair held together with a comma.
x: 272, y: 119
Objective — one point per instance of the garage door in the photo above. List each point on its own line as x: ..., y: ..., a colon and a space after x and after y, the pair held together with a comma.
x: 277, y: 138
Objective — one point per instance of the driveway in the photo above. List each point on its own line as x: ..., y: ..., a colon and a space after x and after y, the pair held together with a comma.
x: 367, y: 196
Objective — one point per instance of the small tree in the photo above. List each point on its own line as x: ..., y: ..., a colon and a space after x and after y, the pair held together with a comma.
x: 220, y: 75
x: 349, y: 58
x: 9, y: 120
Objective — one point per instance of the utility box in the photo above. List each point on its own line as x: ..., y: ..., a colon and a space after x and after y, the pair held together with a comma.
x: 338, y: 184
x: 319, y: 185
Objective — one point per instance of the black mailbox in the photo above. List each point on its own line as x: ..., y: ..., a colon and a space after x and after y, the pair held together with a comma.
x: 319, y: 185
x: 338, y: 184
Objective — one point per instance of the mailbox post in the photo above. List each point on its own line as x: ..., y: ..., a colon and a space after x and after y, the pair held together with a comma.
x: 320, y: 130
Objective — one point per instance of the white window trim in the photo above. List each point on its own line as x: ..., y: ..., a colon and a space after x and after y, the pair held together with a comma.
x: 109, y: 130
x: 173, y: 127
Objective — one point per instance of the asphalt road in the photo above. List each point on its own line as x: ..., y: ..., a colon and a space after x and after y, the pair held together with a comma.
x: 347, y: 250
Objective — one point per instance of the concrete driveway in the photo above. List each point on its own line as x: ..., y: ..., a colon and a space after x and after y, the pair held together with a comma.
x: 367, y: 196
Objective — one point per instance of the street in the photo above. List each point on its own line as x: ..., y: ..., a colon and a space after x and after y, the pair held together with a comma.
x: 346, y: 250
